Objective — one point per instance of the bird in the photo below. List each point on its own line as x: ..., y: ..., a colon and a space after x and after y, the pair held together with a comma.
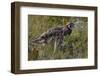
x: 56, y: 34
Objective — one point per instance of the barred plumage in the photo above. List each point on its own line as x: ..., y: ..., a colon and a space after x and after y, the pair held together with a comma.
x: 57, y: 34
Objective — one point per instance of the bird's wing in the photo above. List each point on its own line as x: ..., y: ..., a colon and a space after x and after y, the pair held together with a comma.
x: 57, y: 28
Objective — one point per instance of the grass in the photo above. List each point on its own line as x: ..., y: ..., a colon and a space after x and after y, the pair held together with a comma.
x: 76, y: 43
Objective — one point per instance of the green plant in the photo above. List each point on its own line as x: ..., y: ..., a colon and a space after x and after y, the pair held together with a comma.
x: 75, y: 44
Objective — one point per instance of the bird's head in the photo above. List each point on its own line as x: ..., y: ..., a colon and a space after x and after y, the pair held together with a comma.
x: 70, y: 25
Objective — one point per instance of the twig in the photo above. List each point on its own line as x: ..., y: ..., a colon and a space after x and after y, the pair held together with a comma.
x: 55, y: 46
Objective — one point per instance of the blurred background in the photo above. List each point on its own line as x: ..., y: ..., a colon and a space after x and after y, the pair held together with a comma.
x: 76, y: 43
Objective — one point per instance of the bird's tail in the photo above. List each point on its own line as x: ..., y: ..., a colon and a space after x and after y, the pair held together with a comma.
x: 32, y: 43
x: 38, y: 40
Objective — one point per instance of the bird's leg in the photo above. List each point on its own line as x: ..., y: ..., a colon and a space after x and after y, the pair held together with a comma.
x: 55, y: 45
x: 61, y: 41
